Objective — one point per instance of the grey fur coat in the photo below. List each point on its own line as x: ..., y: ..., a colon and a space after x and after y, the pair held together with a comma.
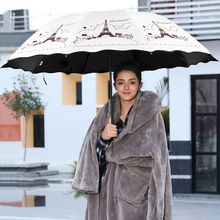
x: 137, y: 184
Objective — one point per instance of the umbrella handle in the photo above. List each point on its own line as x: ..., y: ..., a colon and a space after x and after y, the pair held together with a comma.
x: 110, y: 90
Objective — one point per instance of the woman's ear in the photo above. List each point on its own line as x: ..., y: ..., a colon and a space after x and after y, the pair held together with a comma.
x: 140, y: 86
x: 114, y: 85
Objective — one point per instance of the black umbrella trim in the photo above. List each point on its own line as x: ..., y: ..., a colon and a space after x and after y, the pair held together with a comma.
x: 98, y: 62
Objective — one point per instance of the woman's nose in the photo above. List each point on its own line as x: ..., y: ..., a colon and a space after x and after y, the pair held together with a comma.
x: 126, y: 86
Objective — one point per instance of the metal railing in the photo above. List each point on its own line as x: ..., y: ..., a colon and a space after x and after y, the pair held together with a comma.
x: 200, y: 18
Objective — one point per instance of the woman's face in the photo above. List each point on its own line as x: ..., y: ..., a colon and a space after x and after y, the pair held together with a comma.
x: 127, y: 85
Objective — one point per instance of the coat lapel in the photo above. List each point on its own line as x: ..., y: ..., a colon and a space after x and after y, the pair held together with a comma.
x: 146, y: 105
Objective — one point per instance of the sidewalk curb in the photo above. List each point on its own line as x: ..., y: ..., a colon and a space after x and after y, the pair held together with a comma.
x: 20, y: 181
x: 197, y: 196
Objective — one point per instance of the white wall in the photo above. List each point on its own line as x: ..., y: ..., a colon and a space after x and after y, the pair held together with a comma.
x: 151, y: 79
x: 180, y: 93
x: 65, y: 126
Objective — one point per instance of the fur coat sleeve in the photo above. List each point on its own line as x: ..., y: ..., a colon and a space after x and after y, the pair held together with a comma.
x: 87, y: 173
x: 160, y: 189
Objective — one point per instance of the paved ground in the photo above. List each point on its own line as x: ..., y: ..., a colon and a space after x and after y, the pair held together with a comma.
x: 57, y: 201
x: 196, y: 207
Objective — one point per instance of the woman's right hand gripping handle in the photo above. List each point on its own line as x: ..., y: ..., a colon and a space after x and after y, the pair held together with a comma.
x: 110, y: 131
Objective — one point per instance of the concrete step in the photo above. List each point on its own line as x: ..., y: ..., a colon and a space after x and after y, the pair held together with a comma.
x: 22, y: 167
x: 38, y: 173
x: 21, y: 182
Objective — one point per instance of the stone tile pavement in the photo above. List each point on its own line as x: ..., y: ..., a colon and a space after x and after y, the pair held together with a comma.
x: 185, y: 206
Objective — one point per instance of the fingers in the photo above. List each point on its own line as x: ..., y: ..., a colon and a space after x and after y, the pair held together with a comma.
x: 109, y: 132
x: 110, y: 120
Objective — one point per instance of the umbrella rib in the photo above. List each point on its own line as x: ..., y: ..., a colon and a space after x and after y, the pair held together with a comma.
x: 142, y: 34
x: 85, y: 62
x: 39, y: 64
x: 182, y: 58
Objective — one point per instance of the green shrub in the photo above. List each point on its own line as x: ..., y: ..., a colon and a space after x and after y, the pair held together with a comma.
x: 73, y: 166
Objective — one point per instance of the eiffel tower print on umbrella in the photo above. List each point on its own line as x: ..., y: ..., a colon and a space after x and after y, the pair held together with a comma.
x: 106, y: 31
x: 162, y: 32
x: 52, y: 37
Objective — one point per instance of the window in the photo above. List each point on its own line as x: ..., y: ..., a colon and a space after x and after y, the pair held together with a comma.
x: 79, y: 93
x: 35, y: 131
x: 72, y: 89
x: 38, y: 130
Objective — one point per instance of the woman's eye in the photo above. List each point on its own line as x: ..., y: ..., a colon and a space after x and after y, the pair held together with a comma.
x: 132, y: 82
x: 120, y: 83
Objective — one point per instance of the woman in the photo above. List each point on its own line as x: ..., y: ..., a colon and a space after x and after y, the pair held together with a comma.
x: 123, y: 169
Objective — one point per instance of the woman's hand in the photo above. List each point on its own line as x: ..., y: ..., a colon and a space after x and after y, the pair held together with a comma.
x: 109, y: 131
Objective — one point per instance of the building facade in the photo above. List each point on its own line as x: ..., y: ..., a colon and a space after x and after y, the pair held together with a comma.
x: 194, y: 99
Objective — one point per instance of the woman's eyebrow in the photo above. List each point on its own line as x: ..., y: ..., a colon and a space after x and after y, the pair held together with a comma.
x: 123, y: 79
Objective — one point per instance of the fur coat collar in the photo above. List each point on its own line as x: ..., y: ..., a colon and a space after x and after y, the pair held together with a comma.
x: 137, y: 182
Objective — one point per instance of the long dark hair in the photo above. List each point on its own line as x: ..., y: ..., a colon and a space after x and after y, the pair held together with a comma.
x: 128, y: 64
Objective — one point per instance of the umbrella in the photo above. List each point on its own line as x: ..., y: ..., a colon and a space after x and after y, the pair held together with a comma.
x: 80, y: 44
x: 98, y: 41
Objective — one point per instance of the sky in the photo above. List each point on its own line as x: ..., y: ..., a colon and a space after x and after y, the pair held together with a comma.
x: 43, y: 11
x: 45, y: 7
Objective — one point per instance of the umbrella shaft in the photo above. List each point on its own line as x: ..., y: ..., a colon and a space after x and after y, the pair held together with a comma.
x: 110, y: 89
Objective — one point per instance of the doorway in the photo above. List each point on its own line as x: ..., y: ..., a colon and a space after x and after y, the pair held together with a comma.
x: 205, y: 133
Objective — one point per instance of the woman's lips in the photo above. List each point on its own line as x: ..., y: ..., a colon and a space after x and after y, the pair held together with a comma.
x: 126, y: 93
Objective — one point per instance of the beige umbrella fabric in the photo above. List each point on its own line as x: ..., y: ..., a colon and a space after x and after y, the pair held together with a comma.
x: 81, y: 44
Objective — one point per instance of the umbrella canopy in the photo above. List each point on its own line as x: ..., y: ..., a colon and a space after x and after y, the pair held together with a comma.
x: 81, y: 44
